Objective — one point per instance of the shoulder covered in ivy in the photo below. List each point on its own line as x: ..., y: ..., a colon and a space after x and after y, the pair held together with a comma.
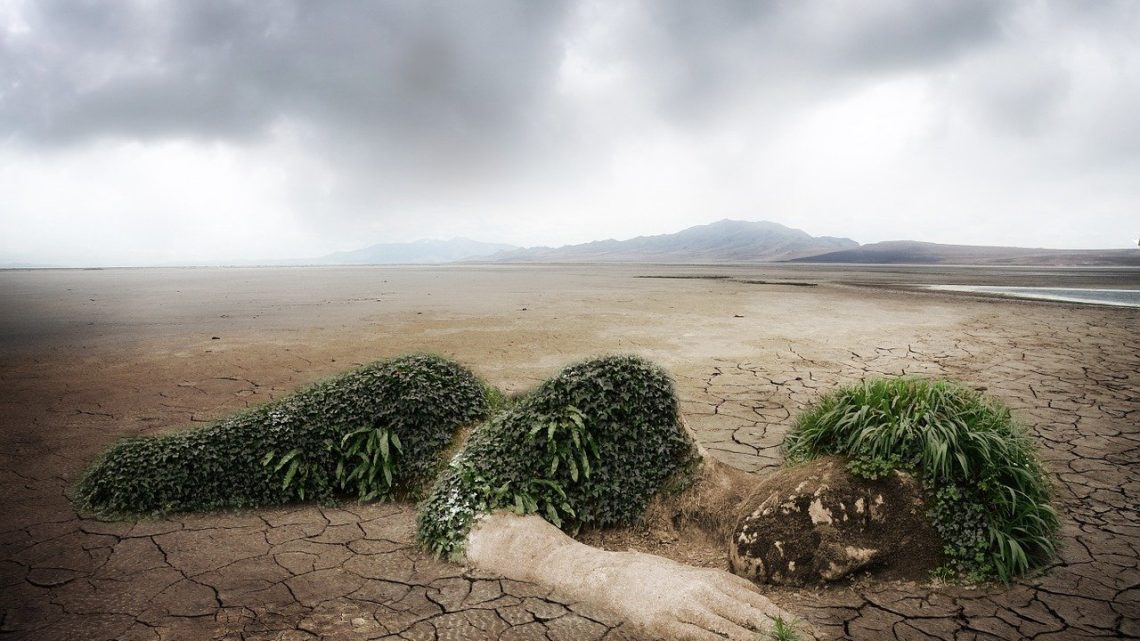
x: 589, y: 447
x: 376, y: 430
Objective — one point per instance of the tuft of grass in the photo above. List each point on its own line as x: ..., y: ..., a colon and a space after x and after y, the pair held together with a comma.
x: 783, y: 631
x: 990, y: 498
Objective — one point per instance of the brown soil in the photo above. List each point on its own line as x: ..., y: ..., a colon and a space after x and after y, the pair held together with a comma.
x: 691, y: 526
x: 799, y: 522
x: 89, y: 356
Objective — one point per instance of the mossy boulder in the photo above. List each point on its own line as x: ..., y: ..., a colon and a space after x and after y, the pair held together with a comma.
x: 589, y: 447
x: 417, y: 401
x: 988, y: 495
x: 818, y: 522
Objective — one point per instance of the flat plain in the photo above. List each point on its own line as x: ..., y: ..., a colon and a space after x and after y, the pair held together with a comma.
x: 90, y: 356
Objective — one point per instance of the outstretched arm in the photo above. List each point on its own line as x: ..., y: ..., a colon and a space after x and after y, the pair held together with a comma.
x: 661, y: 597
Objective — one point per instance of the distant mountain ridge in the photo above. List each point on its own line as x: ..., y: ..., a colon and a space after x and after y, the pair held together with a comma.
x: 725, y: 241
x: 920, y: 253
x: 729, y: 241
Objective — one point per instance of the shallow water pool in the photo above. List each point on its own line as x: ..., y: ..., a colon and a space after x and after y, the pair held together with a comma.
x: 1114, y: 297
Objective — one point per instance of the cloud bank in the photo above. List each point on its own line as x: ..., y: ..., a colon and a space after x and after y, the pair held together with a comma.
x: 140, y: 131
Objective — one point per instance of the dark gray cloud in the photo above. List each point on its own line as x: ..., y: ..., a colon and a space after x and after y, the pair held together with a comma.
x: 405, y: 86
x: 391, y: 72
x: 426, y: 74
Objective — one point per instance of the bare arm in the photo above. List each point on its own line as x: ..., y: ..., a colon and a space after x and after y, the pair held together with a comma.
x: 661, y: 597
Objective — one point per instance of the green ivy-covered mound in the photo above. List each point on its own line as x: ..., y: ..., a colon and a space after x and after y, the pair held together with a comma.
x: 364, y: 433
x: 988, y: 495
x: 590, y: 446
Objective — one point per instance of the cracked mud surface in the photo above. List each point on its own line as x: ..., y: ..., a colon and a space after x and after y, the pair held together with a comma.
x: 88, y: 357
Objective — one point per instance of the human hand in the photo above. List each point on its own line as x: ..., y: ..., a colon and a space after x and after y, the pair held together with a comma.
x: 663, y: 598
x: 674, y: 601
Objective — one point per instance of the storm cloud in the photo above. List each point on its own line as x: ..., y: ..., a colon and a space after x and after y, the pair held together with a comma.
x: 312, y: 126
x: 414, y: 75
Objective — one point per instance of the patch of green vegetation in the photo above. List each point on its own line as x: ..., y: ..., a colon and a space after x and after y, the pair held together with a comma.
x: 368, y: 459
x: 588, y: 447
x: 366, y: 433
x: 783, y: 631
x: 988, y: 495
x: 496, y: 399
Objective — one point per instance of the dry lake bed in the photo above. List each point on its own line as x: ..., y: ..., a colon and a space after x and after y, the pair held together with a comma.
x: 89, y: 356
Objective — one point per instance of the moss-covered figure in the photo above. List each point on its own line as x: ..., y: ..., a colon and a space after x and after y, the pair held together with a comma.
x: 377, y: 429
x: 988, y: 495
x: 590, y: 446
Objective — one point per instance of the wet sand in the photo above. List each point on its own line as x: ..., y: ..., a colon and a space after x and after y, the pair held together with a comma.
x: 88, y: 356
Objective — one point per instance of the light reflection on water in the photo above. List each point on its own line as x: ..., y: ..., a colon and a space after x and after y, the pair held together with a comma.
x: 1115, y: 297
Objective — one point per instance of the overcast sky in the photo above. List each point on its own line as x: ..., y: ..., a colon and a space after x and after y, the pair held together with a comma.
x: 145, y: 131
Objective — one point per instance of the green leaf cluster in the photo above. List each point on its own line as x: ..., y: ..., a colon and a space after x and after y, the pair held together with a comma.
x: 988, y: 495
x: 295, y: 467
x: 399, y: 414
x: 588, y: 447
x: 368, y: 460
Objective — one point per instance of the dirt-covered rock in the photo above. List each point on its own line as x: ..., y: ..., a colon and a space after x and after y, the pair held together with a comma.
x: 818, y: 522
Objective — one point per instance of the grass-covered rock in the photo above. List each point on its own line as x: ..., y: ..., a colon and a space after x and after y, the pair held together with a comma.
x: 588, y: 447
x: 365, y: 433
x: 987, y: 493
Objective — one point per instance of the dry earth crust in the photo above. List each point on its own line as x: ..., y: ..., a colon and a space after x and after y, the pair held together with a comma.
x: 89, y: 356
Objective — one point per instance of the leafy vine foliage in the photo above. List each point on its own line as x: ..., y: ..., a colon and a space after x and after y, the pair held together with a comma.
x: 588, y: 447
x: 368, y: 460
x: 366, y: 433
x: 988, y: 495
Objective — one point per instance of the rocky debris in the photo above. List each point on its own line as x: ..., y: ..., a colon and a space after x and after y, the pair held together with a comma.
x: 818, y: 522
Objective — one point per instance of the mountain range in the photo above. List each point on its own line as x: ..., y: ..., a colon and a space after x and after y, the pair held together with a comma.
x: 918, y: 253
x: 731, y: 241
x: 726, y: 241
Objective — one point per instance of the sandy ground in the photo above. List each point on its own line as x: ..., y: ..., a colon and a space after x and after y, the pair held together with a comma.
x: 89, y: 356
